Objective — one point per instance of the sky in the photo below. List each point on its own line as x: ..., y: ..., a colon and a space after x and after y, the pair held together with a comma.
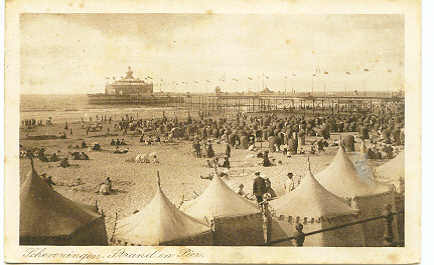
x: 74, y: 53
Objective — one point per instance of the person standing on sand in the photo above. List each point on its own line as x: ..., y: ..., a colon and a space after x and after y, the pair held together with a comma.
x: 266, y: 160
x: 289, y: 184
x: 259, y: 187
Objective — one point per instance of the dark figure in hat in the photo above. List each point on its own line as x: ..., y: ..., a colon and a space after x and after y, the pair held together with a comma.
x: 259, y: 187
x: 266, y: 160
x: 299, y: 235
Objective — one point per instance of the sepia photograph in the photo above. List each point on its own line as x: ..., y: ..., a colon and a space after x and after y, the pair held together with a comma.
x: 290, y: 139
x: 197, y: 130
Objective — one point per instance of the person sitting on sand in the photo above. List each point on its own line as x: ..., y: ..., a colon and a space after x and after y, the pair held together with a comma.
x: 49, y: 181
x: 120, y: 151
x: 252, y: 147
x: 64, y: 163
x: 42, y: 156
x: 118, y: 142
x: 155, y: 159
x: 84, y: 156
x: 96, y: 147
x: 75, y: 155
x: 83, y: 144
x: 301, y: 152
x: 105, y: 188
x: 54, y: 157
x: 113, y: 142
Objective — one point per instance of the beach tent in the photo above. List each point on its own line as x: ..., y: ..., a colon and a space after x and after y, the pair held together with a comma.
x: 236, y: 220
x: 316, y: 208
x: 161, y: 223
x: 48, y: 218
x: 342, y: 179
x: 392, y: 172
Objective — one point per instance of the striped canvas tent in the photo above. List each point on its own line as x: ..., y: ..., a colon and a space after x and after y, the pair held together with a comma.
x: 161, y: 223
x: 236, y: 220
x: 342, y: 179
x: 392, y: 172
x: 316, y: 208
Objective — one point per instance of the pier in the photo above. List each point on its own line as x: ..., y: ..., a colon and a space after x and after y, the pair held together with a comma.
x: 273, y: 103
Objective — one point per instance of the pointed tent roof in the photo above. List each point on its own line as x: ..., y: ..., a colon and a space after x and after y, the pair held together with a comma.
x: 218, y: 200
x: 46, y: 213
x: 393, y: 170
x: 159, y: 222
x: 342, y: 179
x: 311, y: 199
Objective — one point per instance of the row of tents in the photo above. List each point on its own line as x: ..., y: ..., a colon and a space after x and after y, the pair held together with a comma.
x: 219, y: 216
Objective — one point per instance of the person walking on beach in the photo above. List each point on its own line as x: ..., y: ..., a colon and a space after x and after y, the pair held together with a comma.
x: 259, y: 187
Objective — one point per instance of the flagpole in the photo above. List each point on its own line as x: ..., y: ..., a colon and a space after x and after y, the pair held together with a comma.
x: 286, y: 78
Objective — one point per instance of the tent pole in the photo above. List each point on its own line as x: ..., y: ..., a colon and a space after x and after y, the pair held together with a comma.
x: 114, y: 227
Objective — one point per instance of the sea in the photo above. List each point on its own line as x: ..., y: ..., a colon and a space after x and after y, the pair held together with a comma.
x: 72, y: 108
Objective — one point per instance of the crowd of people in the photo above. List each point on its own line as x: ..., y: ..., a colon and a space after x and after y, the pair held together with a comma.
x: 285, y: 132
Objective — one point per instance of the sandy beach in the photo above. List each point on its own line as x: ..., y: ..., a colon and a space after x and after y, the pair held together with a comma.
x: 135, y: 183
